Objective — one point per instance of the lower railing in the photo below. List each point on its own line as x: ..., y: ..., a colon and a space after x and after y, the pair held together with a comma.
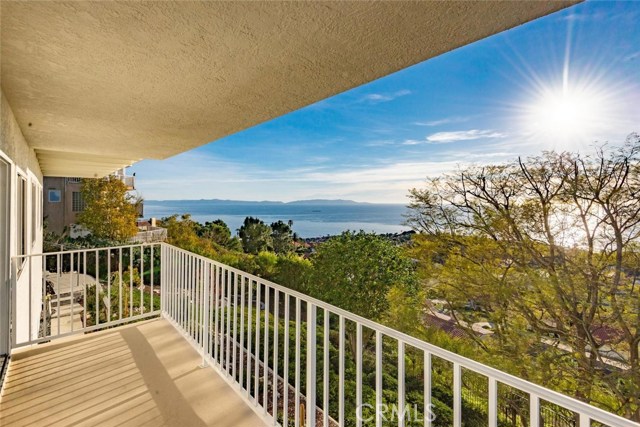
x: 297, y: 360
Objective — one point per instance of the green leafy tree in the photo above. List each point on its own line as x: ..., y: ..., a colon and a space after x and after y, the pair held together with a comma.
x: 546, y: 248
x: 405, y: 311
x: 266, y: 262
x: 110, y: 211
x: 255, y: 236
x: 282, y: 237
x: 219, y: 233
x: 293, y: 271
x: 356, y: 271
x: 183, y: 232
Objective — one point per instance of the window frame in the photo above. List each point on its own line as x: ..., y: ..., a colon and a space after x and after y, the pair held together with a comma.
x: 22, y: 221
x: 52, y: 190
x: 78, y: 205
x: 35, y: 212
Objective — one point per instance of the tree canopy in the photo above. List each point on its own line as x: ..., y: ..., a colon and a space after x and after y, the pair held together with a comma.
x: 546, y: 248
x: 255, y: 236
x: 110, y: 211
x: 219, y: 233
x: 282, y: 236
x: 356, y: 271
x: 183, y: 232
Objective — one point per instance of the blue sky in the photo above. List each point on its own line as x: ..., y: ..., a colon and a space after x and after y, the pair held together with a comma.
x: 560, y: 82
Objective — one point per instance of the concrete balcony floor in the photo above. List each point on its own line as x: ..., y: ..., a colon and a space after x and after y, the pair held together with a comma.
x: 144, y: 374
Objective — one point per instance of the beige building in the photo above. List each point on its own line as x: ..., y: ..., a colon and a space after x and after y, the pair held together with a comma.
x: 63, y: 201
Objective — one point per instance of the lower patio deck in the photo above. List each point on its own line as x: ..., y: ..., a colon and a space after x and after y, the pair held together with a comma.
x: 135, y: 375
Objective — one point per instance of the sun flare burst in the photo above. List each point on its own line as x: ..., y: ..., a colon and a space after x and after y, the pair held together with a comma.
x: 566, y: 113
x: 570, y: 115
x: 574, y: 105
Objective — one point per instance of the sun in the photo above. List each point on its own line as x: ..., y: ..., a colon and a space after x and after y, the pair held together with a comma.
x: 566, y: 115
x: 572, y: 104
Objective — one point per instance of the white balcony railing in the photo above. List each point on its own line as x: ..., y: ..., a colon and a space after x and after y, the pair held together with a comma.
x: 293, y: 357
x: 151, y: 235
x: 129, y: 181
x: 57, y: 294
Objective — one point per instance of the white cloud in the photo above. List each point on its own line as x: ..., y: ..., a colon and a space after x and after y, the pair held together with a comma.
x: 199, y: 175
x: 384, y: 97
x: 405, y: 172
x: 445, y: 121
x: 412, y: 142
x: 377, y: 97
x: 463, y: 135
x: 192, y: 176
x: 380, y: 143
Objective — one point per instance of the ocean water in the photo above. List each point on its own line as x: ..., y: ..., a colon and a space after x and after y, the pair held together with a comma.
x: 309, y: 219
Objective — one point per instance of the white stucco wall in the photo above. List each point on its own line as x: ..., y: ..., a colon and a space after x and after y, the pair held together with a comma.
x: 23, y: 162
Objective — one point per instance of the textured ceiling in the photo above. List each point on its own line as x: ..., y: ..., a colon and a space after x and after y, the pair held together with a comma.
x: 111, y: 83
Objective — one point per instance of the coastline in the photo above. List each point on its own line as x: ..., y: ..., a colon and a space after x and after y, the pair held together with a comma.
x: 310, y: 220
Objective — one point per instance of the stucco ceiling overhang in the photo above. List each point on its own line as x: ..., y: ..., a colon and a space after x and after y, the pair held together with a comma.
x: 98, y: 85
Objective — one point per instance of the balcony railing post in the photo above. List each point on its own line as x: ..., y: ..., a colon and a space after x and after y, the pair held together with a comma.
x: 534, y: 411
x: 326, y: 330
x: 311, y: 365
x: 358, y: 374
x: 30, y: 284
x: 297, y: 364
x: 585, y: 421
x: 165, y: 276
x: 265, y: 351
x: 14, y: 302
x: 379, y: 361
x: 205, y: 318
x: 285, y: 393
x: 276, y: 323
x: 457, y: 395
x: 250, y: 352
x: 152, y: 266
x: 428, y: 407
x: 241, y: 365
x: 341, y: 344
x: 401, y: 386
x: 493, y: 402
